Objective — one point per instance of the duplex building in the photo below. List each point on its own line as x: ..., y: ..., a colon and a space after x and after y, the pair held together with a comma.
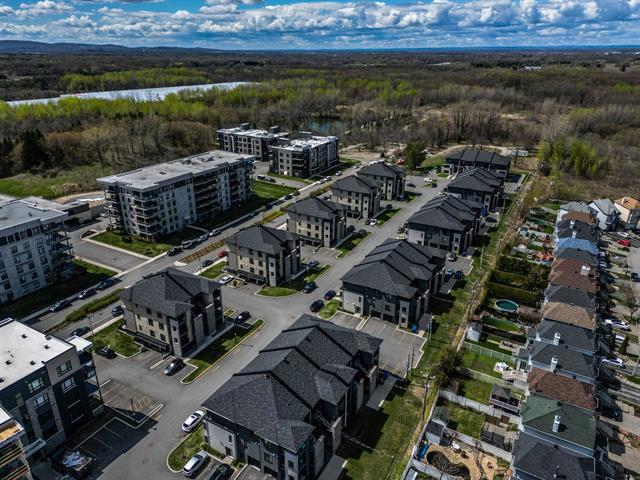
x: 34, y: 248
x: 154, y: 201
x: 629, y: 210
x: 305, y: 156
x: 284, y: 412
x: 43, y: 385
x: 317, y: 221
x: 469, y: 158
x: 13, y: 459
x: 265, y: 255
x: 577, y: 229
x: 360, y: 196
x: 394, y: 282
x: 559, y: 359
x: 571, y: 296
x: 445, y: 222
x: 250, y: 141
x: 606, y: 212
x: 564, y: 335
x: 173, y: 311
x: 390, y: 179
x: 480, y: 186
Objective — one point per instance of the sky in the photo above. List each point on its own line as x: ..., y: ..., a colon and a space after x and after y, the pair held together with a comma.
x: 334, y: 24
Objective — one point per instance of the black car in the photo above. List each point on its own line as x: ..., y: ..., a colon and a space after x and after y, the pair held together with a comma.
x: 316, y: 306
x: 223, y: 472
x: 412, y: 185
x: 117, y: 310
x: 174, y: 251
x: 175, y: 365
x: 330, y: 294
x: 56, y: 307
x: 207, y: 262
x: 89, y: 292
x: 635, y: 277
x: 288, y: 197
x: 103, y: 285
x: 243, y: 317
x: 309, y: 287
x: 78, y: 332
x: 106, y: 352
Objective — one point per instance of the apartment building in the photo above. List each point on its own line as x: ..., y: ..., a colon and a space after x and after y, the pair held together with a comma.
x: 361, y: 197
x: 469, y: 158
x: 264, y: 255
x: 250, y: 141
x: 317, y: 221
x: 43, y: 385
x: 173, y: 311
x: 305, y: 156
x: 154, y: 201
x: 478, y: 185
x: 13, y: 460
x: 34, y: 248
x: 390, y: 179
x: 284, y: 413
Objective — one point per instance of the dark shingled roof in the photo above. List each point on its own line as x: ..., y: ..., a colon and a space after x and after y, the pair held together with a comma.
x: 262, y: 239
x: 583, y: 256
x: 569, y: 361
x: 448, y: 212
x: 582, y: 230
x: 571, y: 296
x: 353, y: 183
x: 397, y: 267
x: 573, y: 279
x: 480, y: 158
x: 570, y: 335
x: 317, y: 207
x: 381, y: 169
x: 305, y: 364
x: 169, y: 291
x: 477, y: 179
x: 543, y: 460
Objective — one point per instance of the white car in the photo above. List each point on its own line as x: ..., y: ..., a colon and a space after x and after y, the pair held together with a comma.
x: 619, y: 324
x: 226, y: 279
x: 193, y: 421
x: 623, y: 234
x: 194, y: 464
x: 373, y: 222
x: 612, y: 362
x: 428, y: 179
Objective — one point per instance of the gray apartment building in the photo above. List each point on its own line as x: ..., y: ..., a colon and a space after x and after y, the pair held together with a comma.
x: 305, y: 156
x: 154, y: 201
x: 250, y: 141
x: 43, y: 385
x: 317, y: 221
x: 284, y: 413
x: 173, y: 311
x: 34, y: 248
x: 390, y: 179
x: 264, y: 255
x: 360, y: 196
x: 469, y: 158
x: 478, y: 185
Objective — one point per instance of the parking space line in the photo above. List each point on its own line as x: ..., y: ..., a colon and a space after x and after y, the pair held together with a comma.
x: 115, y: 433
x: 157, y: 364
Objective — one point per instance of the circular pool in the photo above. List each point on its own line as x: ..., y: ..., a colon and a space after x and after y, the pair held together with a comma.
x: 507, y: 305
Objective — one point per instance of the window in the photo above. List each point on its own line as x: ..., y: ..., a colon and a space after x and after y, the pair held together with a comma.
x: 162, y: 337
x: 41, y: 400
x: 63, y: 368
x: 150, y: 322
x: 152, y: 333
x: 290, y: 464
x: 35, y: 385
x: 68, y: 384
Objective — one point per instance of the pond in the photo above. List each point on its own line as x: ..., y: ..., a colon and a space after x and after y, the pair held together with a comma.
x: 507, y: 305
x: 326, y: 126
x: 439, y: 461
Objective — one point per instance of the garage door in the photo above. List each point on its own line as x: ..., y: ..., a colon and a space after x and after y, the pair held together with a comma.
x: 253, y: 461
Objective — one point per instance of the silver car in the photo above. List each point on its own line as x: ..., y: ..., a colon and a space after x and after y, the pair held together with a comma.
x: 194, y: 464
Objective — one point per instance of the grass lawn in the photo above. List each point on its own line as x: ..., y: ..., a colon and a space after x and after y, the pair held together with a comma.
x: 137, y: 245
x: 93, y: 306
x: 502, y: 324
x: 410, y: 196
x: 215, y: 270
x: 475, y: 389
x: 214, y: 352
x: 351, y: 243
x: 295, y: 286
x: 480, y: 363
x: 552, y: 206
x: 287, y: 177
x: 192, y: 444
x: 118, y: 341
x: 329, y: 309
x: 443, y: 175
x: 87, y: 276
x: 465, y: 421
x: 384, y: 217
x: 433, y: 162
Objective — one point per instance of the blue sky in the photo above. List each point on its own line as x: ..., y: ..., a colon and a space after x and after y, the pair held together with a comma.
x: 310, y: 24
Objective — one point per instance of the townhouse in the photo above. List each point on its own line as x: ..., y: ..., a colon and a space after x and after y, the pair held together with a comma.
x: 559, y: 387
x: 360, y: 196
x: 305, y: 156
x: 480, y: 186
x: 469, y: 158
x: 571, y: 296
x: 629, y: 212
x: 250, y: 141
x: 606, y: 212
x: 390, y: 179
x: 317, y: 221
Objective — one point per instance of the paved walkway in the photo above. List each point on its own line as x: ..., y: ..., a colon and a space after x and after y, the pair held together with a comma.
x: 381, y: 393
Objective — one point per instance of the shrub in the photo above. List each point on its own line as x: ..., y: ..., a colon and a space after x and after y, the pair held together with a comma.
x: 518, y: 295
x: 91, y: 307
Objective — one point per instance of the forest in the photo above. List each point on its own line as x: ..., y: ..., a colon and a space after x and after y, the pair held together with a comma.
x: 579, y: 110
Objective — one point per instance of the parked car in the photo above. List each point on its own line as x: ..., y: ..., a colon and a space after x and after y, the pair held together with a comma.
x: 619, y: 324
x: 490, y: 220
x: 451, y: 256
x: 412, y: 185
x: 428, y: 179
x: 330, y: 294
x: 174, y: 366
x: 214, y: 232
x: 243, y: 317
x: 117, y: 310
x: 89, y: 292
x: 623, y: 235
x: 225, y: 279
x: 309, y: 287
x: 400, y: 230
x: 196, y: 462
x: 338, y: 173
x: 80, y: 331
x: 222, y: 472
x: 373, y: 222
x: 271, y: 179
x: 635, y: 277
x: 174, y: 251
x: 316, y: 306
x: 59, y: 305
x: 193, y: 421
x: 187, y: 244
x: 625, y: 243
x: 313, y: 263
x: 448, y: 274
x: 612, y: 362
x: 614, y: 413
x: 106, y: 352
x: 434, y: 184
x: 288, y: 197
x: 207, y: 262
x: 459, y: 275
x: 222, y: 253
x: 103, y: 285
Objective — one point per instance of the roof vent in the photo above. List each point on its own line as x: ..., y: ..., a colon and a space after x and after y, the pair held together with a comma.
x: 1, y: 379
x: 556, y: 424
x: 46, y: 346
x: 24, y: 335
x: 8, y: 362
x: 572, y: 224
x: 556, y: 338
x: 585, y: 270
x: 574, y: 234
x: 48, y: 337
x: 32, y: 362
x: 554, y: 364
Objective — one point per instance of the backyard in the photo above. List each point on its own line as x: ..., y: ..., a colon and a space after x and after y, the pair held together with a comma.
x: 119, y: 342
x: 474, y: 389
x: 352, y: 242
x: 296, y: 285
x: 480, y: 363
x: 465, y: 421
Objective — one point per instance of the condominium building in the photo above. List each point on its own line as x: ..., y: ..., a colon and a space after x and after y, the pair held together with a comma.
x: 250, y: 141
x: 160, y: 199
x: 13, y: 461
x: 317, y: 221
x: 305, y: 156
x: 34, y: 247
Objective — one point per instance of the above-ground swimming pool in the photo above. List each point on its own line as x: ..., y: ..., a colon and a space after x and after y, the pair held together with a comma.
x: 507, y: 305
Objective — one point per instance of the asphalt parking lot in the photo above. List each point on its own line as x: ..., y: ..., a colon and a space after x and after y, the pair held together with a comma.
x: 252, y: 473
x: 127, y: 400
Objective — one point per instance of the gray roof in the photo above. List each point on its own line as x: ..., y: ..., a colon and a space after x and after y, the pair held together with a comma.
x: 317, y: 207
x: 447, y: 212
x: 571, y: 296
x: 169, y: 291
x: 569, y: 334
x: 262, y: 239
x: 576, y: 207
x: 25, y: 212
x: 570, y: 362
x: 309, y: 362
x: 353, y: 183
x: 479, y: 158
x: 476, y: 179
x: 583, y: 256
x: 581, y: 230
x: 543, y: 460
x: 605, y: 205
x: 397, y: 267
x: 381, y: 169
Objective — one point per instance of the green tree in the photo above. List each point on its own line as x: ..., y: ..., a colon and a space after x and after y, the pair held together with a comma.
x: 33, y: 154
x: 413, y: 155
x: 445, y: 369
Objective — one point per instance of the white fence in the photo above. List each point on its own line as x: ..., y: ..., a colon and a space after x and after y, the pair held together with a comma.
x: 503, y: 357
x: 477, y: 406
x: 516, y: 384
x: 480, y: 445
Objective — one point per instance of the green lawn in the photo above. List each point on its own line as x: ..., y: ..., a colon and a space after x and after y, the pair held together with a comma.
x: 209, y: 356
x: 215, y: 270
x: 118, y: 341
x: 137, y: 245
x: 87, y: 276
x: 329, y: 309
x: 93, y: 306
x: 480, y: 363
x: 353, y: 241
x: 433, y: 162
x: 192, y: 444
x: 295, y: 286
x: 287, y: 177
x: 443, y: 175
x: 386, y: 215
x: 552, y: 206
x: 465, y: 421
x: 410, y: 196
x: 502, y: 324
x: 474, y: 389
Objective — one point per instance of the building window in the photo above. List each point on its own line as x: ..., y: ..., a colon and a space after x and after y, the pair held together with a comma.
x: 68, y: 384
x: 150, y: 322
x: 290, y: 464
x: 152, y: 333
x: 162, y: 337
x: 35, y: 385
x: 41, y: 400
x: 63, y: 368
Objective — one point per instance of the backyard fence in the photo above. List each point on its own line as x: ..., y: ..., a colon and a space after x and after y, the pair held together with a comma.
x: 479, y: 444
x: 477, y: 406
x: 503, y: 357
x: 516, y: 384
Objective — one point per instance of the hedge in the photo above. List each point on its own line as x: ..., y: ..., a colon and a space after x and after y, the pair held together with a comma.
x: 91, y: 307
x: 509, y: 279
x: 518, y: 295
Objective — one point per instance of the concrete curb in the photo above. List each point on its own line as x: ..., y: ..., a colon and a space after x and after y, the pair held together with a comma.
x: 117, y: 249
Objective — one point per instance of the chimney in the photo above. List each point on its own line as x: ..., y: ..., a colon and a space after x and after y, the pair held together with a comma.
x: 556, y: 340
x: 574, y: 234
x: 553, y: 364
x: 585, y: 270
x: 572, y: 224
x: 556, y: 424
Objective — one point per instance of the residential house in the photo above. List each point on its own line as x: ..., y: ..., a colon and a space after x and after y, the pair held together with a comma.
x: 250, y: 141
x: 606, y: 212
x: 573, y: 279
x: 575, y: 207
x: 571, y: 296
x: 360, y: 196
x: 583, y: 256
x: 390, y: 179
x: 480, y: 186
x: 560, y: 387
x: 305, y: 156
x: 577, y: 229
x: 558, y: 359
x: 577, y: 244
x: 173, y: 311
x: 265, y: 255
x: 317, y: 221
x: 393, y: 282
x: 284, y: 413
x: 469, y: 158
x: 564, y: 335
x: 13, y: 459
x: 570, y: 314
x: 629, y: 210
x: 588, y: 218
x: 445, y: 222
